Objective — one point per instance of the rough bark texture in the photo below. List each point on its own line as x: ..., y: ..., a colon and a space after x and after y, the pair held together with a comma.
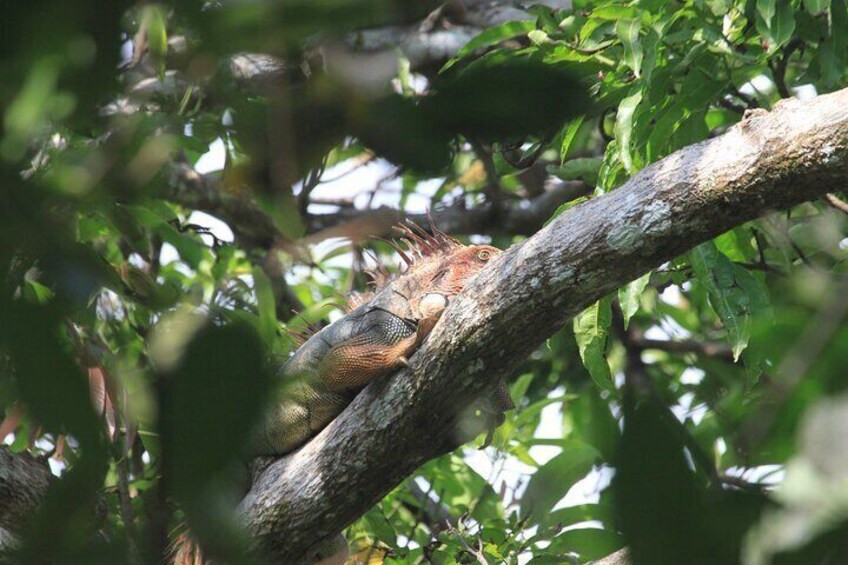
x: 23, y: 483
x: 770, y: 161
x: 620, y: 557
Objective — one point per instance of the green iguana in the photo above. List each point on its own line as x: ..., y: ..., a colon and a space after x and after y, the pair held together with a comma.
x: 374, y: 338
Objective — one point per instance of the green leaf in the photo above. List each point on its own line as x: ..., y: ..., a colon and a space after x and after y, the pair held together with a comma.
x: 776, y: 22
x: 553, y: 480
x: 282, y: 208
x: 655, y: 492
x: 49, y: 381
x: 715, y: 272
x: 266, y: 305
x: 629, y: 295
x: 130, y: 229
x: 380, y: 527
x: 492, y: 36
x: 591, y: 328
x: 832, y: 51
x: 628, y: 33
x: 594, y: 422
x: 537, y: 37
x: 191, y: 250
x: 519, y: 388
x: 570, y: 515
x: 736, y: 244
x: 562, y: 208
x: 664, y: 511
x: 568, y: 136
x: 766, y: 9
x: 611, y: 169
x: 583, y: 168
x: 396, y: 128
x: 816, y: 7
x: 154, y: 20
x: 534, y: 98
x: 624, y: 129
x: 783, y: 25
x: 589, y: 543
x: 151, y: 214
x: 615, y: 13
x: 734, y: 293
x: 36, y: 292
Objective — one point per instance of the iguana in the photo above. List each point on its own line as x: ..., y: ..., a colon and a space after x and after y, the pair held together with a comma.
x: 374, y: 338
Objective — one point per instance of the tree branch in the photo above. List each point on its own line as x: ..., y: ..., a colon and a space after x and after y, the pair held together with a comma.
x: 24, y: 480
x: 254, y: 228
x: 523, y: 217
x: 769, y: 161
x: 425, y: 45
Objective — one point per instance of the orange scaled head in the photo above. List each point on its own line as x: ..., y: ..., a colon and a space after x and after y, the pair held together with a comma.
x: 438, y: 268
x: 450, y: 275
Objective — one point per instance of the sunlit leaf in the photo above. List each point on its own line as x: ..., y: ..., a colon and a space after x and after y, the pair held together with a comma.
x: 734, y: 293
x: 266, y: 306
x: 492, y: 36
x: 628, y: 33
x: 624, y: 129
x: 628, y: 297
x: 591, y: 328
x: 585, y: 169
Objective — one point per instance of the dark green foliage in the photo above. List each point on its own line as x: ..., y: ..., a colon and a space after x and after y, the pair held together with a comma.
x: 502, y: 97
x: 666, y: 513
x: 210, y: 404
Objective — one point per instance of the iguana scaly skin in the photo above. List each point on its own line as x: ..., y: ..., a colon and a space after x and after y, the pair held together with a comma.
x: 375, y: 338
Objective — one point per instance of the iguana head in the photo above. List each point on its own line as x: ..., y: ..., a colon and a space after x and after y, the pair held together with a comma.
x: 437, y: 268
x: 455, y: 270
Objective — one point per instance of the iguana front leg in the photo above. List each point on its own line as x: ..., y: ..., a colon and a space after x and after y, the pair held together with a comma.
x: 327, y: 372
x: 383, y: 346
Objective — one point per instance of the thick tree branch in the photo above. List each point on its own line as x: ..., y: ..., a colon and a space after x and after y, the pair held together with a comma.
x: 770, y: 161
x: 24, y: 480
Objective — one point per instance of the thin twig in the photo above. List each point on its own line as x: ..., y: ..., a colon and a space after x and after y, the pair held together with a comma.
x: 778, y: 70
x: 836, y: 202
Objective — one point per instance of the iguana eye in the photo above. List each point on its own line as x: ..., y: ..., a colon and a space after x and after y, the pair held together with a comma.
x: 484, y: 255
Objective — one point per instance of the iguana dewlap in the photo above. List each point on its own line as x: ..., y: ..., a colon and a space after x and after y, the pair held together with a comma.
x: 374, y: 339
